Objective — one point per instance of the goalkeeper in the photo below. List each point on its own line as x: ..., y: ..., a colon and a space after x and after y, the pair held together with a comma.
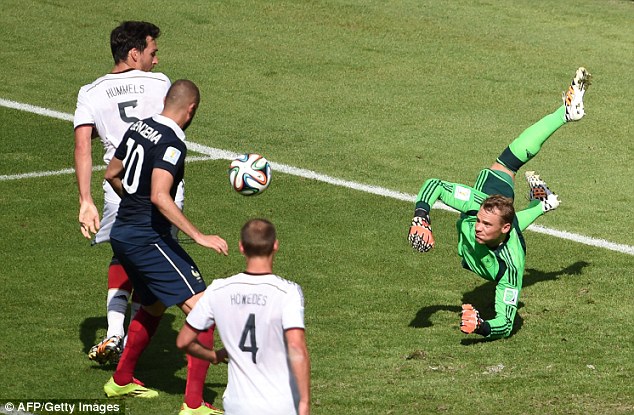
x: 490, y: 240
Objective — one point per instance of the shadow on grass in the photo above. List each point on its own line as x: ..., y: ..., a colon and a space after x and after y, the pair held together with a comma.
x: 159, y: 363
x: 483, y: 297
x: 88, y: 331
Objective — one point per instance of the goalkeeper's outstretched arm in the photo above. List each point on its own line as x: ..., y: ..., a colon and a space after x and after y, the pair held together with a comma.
x: 460, y: 197
x: 501, y: 325
x: 506, y: 300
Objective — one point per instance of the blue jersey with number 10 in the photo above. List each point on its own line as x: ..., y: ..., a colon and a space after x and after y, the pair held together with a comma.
x: 156, y: 142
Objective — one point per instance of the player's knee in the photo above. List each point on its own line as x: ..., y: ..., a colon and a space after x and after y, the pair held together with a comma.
x: 117, y: 278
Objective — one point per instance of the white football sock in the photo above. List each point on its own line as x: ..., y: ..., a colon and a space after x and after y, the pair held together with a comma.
x: 116, y: 306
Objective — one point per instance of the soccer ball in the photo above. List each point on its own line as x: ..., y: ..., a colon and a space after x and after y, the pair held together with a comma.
x: 250, y: 174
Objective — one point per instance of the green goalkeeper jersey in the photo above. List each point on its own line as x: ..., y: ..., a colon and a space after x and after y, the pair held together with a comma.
x: 504, y: 264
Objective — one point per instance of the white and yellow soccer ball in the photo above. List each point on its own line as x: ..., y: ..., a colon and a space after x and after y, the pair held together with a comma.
x: 250, y: 174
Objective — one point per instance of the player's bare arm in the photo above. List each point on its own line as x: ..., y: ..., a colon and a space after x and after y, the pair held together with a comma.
x: 162, y: 181
x: 113, y: 175
x: 300, y: 366
x: 186, y: 341
x: 88, y: 213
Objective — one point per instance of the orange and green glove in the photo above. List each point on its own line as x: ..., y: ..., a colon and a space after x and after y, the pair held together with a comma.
x: 470, y: 319
x: 420, y: 235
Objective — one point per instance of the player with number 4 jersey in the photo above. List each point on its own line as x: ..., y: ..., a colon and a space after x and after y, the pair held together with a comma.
x: 253, y: 312
x: 260, y: 318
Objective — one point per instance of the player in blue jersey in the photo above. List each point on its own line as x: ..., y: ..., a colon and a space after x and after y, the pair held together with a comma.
x: 145, y: 171
x: 490, y: 241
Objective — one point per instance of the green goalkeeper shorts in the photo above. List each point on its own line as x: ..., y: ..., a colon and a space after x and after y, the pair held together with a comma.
x: 495, y: 182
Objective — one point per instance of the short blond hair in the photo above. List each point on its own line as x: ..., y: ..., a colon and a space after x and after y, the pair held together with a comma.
x: 503, y: 204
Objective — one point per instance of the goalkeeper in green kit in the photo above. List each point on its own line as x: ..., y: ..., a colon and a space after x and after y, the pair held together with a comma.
x: 490, y: 240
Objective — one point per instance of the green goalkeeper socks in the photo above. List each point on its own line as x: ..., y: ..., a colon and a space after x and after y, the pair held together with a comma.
x: 530, y: 214
x: 528, y: 144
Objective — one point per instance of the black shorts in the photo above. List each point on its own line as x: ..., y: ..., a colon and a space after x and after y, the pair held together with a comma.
x: 162, y: 271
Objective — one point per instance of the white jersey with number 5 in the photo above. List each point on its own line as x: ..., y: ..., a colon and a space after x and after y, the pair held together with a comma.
x: 116, y: 100
x: 251, y: 313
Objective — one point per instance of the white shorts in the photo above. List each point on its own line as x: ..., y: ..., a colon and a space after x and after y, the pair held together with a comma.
x: 111, y: 207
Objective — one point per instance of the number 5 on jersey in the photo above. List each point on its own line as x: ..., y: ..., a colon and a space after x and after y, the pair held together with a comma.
x: 249, y: 333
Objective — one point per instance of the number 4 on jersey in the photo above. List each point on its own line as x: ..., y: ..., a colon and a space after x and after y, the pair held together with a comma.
x: 249, y: 331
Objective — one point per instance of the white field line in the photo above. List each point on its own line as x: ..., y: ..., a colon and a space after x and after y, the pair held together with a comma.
x: 36, y: 110
x: 7, y: 177
x: 218, y: 154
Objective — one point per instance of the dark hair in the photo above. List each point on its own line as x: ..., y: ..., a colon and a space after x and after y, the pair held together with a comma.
x: 131, y: 35
x: 258, y: 237
x: 503, y: 204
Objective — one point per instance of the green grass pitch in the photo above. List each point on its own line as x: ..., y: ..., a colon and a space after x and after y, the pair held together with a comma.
x: 381, y: 93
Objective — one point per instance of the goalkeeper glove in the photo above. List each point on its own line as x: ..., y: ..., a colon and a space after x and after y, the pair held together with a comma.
x: 470, y: 319
x: 420, y: 235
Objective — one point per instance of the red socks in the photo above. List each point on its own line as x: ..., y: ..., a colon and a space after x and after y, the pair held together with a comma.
x: 141, y: 330
x: 197, y: 371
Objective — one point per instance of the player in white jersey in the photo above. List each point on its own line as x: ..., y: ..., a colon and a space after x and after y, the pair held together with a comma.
x: 106, y: 108
x: 260, y: 318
